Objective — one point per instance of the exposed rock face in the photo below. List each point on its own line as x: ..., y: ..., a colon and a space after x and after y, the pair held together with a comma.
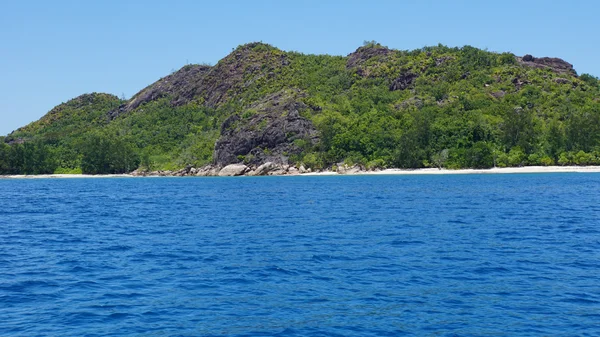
x: 555, y: 64
x: 239, y: 70
x: 265, y: 132
x: 11, y: 141
x: 233, y: 170
x: 362, y: 54
x: 403, y: 81
x: 357, y: 59
x: 182, y: 86
x: 212, y: 85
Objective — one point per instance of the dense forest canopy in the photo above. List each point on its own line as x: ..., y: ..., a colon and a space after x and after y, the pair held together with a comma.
x: 377, y: 107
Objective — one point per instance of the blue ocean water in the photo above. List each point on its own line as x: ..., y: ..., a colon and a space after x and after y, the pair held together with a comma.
x: 457, y: 255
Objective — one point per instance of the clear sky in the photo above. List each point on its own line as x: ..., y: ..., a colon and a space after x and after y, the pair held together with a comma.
x: 52, y: 51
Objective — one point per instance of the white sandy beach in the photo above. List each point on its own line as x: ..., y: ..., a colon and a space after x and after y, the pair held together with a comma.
x: 46, y: 176
x: 425, y: 171
x: 496, y: 170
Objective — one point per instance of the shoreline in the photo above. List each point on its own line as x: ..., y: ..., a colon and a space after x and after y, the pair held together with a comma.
x: 422, y: 171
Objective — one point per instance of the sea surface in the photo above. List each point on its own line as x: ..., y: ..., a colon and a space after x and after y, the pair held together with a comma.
x: 453, y: 255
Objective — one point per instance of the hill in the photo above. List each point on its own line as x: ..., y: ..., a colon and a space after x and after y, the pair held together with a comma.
x: 377, y: 107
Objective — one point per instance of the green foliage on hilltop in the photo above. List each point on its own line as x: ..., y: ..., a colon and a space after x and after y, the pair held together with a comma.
x: 431, y: 107
x: 71, y: 119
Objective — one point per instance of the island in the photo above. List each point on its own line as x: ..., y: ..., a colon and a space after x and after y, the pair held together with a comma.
x: 265, y: 111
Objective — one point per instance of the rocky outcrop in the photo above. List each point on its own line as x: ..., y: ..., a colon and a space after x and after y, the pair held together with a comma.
x: 561, y: 81
x: 240, y: 69
x: 207, y: 171
x: 443, y: 60
x: 182, y: 86
x: 267, y: 131
x: 519, y: 82
x: 233, y: 170
x: 365, y: 53
x: 358, y: 59
x: 188, y: 170
x: 346, y: 169
x: 264, y: 169
x: 555, y: 64
x: 403, y: 81
x: 214, y: 85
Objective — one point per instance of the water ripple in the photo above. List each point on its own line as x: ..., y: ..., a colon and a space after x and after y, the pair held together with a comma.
x: 464, y: 255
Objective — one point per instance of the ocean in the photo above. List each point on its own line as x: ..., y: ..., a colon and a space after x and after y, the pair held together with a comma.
x: 419, y: 255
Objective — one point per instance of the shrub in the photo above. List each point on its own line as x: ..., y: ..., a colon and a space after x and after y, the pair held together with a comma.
x: 533, y: 159
x: 565, y: 158
x: 68, y: 170
x: 479, y: 156
x: 375, y: 164
x: 516, y: 156
x: 546, y: 161
x: 313, y: 161
x: 582, y: 158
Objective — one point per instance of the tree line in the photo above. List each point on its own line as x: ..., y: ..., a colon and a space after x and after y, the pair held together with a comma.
x: 98, y: 153
x: 379, y: 108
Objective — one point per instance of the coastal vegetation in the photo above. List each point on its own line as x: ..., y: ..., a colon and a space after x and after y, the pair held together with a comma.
x: 377, y: 108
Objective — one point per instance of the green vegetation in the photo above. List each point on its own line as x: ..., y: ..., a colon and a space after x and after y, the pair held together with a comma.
x: 431, y: 107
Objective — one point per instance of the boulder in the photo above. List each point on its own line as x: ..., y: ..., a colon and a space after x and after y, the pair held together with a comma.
x: 233, y: 170
x: 207, y: 171
x: 345, y: 169
x: 519, y: 82
x: 278, y: 172
x: 264, y: 169
x: 138, y: 173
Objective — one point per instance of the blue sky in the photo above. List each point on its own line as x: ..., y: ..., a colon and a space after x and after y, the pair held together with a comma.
x: 52, y: 51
